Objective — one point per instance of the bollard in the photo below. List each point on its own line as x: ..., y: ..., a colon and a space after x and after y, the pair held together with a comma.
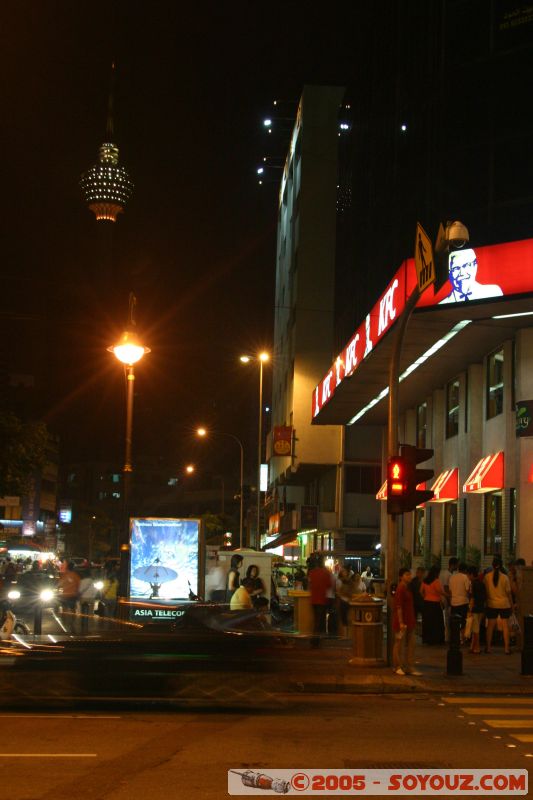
x: 38, y: 619
x: 527, y: 647
x: 454, y: 658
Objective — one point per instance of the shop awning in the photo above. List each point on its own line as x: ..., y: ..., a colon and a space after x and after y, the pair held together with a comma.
x: 288, y: 538
x: 487, y: 475
x: 382, y: 494
x: 446, y: 487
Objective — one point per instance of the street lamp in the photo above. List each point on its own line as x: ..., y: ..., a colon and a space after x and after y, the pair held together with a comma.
x: 128, y: 350
x: 202, y: 432
x: 261, y: 358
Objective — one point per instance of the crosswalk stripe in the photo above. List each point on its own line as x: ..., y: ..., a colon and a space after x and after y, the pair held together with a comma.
x: 486, y: 701
x: 482, y: 711
x: 522, y: 737
x: 509, y: 723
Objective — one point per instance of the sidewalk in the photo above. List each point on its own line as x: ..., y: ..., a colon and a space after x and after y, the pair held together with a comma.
x: 328, y: 670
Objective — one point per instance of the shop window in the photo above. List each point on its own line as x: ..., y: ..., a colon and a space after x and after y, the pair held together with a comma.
x: 419, y: 533
x: 495, y: 384
x: 363, y: 478
x: 421, y: 424
x: 493, y: 523
x: 450, y: 529
x: 452, y: 409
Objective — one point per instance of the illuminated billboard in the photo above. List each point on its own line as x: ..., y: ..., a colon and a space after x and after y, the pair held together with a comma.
x: 164, y: 562
x: 483, y: 274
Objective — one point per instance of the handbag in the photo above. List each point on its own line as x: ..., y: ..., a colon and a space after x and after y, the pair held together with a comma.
x: 514, y: 624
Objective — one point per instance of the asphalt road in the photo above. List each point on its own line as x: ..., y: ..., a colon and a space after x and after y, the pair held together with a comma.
x: 149, y: 755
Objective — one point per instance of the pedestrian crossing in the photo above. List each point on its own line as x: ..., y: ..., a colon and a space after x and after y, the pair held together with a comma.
x: 501, y: 716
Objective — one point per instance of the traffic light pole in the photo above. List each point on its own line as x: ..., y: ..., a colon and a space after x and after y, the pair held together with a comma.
x: 392, y: 450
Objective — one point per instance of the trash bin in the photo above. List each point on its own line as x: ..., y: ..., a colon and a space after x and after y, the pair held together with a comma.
x: 367, y: 631
x: 303, y: 611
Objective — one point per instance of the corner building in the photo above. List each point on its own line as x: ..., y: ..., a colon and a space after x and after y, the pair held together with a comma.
x: 466, y: 378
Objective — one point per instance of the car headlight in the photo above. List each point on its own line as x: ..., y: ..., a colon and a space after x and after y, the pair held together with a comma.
x: 46, y: 595
x: 13, y: 594
x: 99, y: 585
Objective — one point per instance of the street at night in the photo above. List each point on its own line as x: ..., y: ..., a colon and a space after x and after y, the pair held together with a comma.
x: 119, y: 755
x: 266, y: 415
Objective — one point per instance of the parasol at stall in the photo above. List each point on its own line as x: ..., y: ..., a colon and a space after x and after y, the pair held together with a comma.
x: 155, y: 574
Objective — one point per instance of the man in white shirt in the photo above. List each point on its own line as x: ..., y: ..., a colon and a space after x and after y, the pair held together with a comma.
x: 460, y: 590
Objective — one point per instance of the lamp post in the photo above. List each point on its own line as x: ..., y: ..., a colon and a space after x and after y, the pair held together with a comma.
x: 128, y: 351
x: 261, y: 358
x: 203, y: 432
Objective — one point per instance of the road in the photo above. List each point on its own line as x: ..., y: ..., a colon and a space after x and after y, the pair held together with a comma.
x: 143, y: 754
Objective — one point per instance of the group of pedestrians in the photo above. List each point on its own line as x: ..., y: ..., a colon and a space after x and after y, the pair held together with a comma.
x: 477, y: 599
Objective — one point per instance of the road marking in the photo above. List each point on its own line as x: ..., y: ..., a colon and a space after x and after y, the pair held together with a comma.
x: 493, y: 701
x: 483, y: 710
x: 48, y: 755
x: 509, y: 723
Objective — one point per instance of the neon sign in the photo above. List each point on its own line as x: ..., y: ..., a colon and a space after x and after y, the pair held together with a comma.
x: 480, y: 275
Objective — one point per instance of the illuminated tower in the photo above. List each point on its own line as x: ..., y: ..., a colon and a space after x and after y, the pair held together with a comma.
x: 107, y: 186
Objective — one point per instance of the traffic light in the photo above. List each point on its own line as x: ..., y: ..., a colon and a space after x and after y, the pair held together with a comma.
x: 412, y: 456
x: 396, y: 485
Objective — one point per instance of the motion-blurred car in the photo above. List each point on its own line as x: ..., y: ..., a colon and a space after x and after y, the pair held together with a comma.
x: 206, y: 656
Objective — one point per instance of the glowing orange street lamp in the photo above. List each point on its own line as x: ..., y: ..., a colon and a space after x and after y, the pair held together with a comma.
x: 189, y: 469
x: 128, y: 350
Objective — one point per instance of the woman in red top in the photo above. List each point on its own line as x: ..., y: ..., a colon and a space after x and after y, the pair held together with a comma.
x: 432, y: 616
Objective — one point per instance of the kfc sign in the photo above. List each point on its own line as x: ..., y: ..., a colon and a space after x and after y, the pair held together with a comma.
x: 375, y: 326
x: 480, y: 275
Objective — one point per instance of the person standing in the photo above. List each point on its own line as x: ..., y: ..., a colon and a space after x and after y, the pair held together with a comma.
x: 460, y: 589
x: 478, y: 598
x: 404, y: 625
x: 69, y: 586
x: 432, y: 613
x: 320, y: 582
x: 233, y: 580
x: 499, y: 603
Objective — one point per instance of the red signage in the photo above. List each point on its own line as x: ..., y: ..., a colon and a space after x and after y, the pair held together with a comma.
x: 282, y: 440
x: 388, y: 308
x: 482, y: 274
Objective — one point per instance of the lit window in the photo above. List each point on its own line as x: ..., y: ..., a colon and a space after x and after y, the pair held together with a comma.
x: 495, y: 384
x: 452, y: 409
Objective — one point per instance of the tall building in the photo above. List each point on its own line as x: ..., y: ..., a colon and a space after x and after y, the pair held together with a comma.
x: 309, y: 465
x: 106, y: 188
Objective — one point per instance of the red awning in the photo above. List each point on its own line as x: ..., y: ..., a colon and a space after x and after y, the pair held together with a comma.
x: 487, y: 475
x: 446, y: 487
x: 382, y: 494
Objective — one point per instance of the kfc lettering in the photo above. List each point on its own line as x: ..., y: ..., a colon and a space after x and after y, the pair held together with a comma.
x: 376, y: 324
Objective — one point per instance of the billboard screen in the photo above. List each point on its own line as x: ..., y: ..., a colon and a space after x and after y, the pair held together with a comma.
x: 164, y: 560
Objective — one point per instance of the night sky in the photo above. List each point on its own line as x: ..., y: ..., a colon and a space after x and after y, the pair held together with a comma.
x: 197, y: 241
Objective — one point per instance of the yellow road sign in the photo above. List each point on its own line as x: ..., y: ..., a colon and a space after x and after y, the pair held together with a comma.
x: 424, y: 261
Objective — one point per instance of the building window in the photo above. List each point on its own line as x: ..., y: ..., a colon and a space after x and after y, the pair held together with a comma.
x: 363, y: 479
x: 419, y: 533
x: 452, y: 409
x: 493, y: 523
x: 495, y: 384
x: 450, y: 529
x: 421, y: 424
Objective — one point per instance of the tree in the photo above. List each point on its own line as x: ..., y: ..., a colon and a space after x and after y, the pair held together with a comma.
x: 22, y: 452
